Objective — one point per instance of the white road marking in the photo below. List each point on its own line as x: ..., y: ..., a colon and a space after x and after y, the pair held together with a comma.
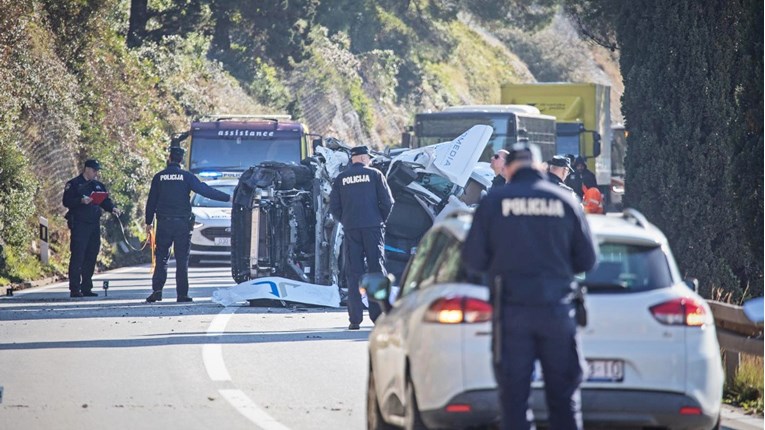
x: 212, y: 353
x: 212, y: 356
x: 249, y: 409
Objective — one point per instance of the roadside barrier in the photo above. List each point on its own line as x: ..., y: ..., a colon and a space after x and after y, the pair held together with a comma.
x: 736, y: 334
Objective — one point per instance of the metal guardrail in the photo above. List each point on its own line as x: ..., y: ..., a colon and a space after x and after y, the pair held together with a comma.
x: 736, y: 335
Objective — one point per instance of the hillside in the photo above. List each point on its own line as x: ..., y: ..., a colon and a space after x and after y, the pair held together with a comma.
x: 71, y: 89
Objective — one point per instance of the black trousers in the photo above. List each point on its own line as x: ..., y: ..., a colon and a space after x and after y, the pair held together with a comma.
x: 361, y: 243
x: 84, y: 247
x: 547, y: 334
x: 176, y: 232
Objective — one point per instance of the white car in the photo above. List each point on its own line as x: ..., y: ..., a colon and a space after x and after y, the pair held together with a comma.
x: 211, y: 236
x: 651, y: 345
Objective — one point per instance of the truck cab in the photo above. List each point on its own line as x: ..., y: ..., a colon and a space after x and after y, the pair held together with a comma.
x: 224, y: 146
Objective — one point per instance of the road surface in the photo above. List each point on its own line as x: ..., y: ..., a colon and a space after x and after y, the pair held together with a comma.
x: 117, y: 362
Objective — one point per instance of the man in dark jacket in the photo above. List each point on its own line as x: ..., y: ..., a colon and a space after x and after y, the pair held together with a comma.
x: 497, y: 166
x: 530, y: 237
x: 361, y: 201
x: 581, y: 177
x: 170, y: 200
x: 84, y: 197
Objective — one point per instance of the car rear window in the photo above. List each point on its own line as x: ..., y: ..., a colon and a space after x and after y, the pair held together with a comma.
x: 625, y: 268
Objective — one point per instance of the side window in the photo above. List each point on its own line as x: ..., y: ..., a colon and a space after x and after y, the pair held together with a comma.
x: 423, y: 266
x: 449, y: 266
x: 433, y: 261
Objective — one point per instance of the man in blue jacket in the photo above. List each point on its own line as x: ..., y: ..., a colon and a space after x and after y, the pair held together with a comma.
x: 531, y: 237
x: 361, y: 201
x: 170, y: 200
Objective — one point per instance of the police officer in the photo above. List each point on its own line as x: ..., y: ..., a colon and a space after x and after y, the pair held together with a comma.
x: 84, y: 219
x: 531, y: 237
x: 361, y: 201
x: 169, y: 199
x: 497, y: 165
x: 558, y: 169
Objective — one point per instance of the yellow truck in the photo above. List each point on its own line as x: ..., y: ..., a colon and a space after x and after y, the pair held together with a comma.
x: 583, y: 120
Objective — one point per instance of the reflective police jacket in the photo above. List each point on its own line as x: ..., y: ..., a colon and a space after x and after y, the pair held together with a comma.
x: 74, y: 191
x: 360, y: 197
x: 170, y: 193
x: 533, y: 237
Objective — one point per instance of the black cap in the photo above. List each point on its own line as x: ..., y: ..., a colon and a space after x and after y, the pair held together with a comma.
x: 580, y: 160
x: 522, y: 151
x: 93, y: 164
x: 561, y: 161
x: 359, y: 150
x: 177, y: 151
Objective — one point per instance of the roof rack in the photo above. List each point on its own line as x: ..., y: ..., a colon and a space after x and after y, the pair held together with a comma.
x: 634, y: 214
x: 246, y: 117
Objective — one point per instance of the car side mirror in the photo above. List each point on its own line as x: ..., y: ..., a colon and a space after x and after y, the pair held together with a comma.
x: 692, y: 283
x: 753, y: 309
x: 377, y: 287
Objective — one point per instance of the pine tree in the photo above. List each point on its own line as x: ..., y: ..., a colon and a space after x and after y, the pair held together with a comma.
x: 678, y: 61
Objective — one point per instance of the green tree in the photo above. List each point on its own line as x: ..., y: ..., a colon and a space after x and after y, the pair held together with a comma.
x: 693, y: 106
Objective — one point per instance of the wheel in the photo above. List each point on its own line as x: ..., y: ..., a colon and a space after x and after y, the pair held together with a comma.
x: 412, y: 418
x: 375, y: 420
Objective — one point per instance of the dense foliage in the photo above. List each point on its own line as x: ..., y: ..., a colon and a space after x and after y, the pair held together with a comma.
x: 693, y: 104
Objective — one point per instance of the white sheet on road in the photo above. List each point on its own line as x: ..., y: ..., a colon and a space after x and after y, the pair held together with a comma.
x: 276, y: 288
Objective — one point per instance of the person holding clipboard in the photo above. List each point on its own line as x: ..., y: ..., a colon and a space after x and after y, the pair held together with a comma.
x: 85, y: 196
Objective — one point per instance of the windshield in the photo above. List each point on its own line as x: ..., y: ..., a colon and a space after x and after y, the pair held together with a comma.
x: 628, y: 268
x: 201, y: 201
x: 567, y: 141
x: 240, y: 154
x: 438, y: 128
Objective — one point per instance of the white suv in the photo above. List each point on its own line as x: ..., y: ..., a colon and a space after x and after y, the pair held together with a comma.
x: 651, y: 346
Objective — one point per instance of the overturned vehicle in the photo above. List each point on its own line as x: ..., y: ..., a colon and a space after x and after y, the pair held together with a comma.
x: 280, y: 220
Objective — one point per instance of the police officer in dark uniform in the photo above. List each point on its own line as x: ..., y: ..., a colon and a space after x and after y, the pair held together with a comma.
x: 558, y: 169
x: 531, y: 237
x: 361, y: 201
x: 170, y: 200
x: 84, y: 219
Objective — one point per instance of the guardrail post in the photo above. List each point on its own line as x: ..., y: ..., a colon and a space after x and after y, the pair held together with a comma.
x: 44, y: 253
x: 732, y: 360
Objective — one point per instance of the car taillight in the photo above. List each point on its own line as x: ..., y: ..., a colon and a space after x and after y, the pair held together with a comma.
x: 680, y: 311
x: 457, y: 310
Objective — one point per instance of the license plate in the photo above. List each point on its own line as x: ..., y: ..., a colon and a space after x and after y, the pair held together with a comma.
x: 223, y: 241
x: 598, y: 371
x: 605, y: 371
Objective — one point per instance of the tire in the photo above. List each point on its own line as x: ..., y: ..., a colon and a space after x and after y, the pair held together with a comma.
x: 375, y: 420
x: 412, y: 418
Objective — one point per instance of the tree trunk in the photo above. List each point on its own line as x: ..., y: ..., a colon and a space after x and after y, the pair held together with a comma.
x: 137, y: 28
x: 221, y: 40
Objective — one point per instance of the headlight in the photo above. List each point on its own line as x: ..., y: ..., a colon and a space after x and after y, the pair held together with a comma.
x: 198, y: 224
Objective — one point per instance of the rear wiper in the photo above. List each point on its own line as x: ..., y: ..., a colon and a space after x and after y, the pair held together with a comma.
x: 605, y: 285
